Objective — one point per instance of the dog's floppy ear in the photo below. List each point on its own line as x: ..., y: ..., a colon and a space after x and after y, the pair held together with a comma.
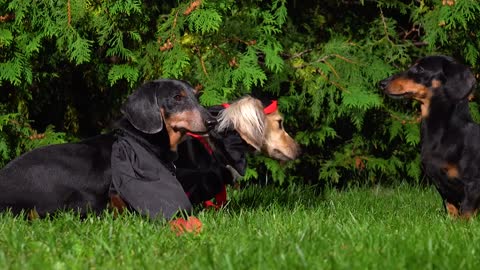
x: 142, y: 109
x: 460, y: 81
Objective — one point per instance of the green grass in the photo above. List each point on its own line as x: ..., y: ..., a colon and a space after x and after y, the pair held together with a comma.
x: 293, y: 228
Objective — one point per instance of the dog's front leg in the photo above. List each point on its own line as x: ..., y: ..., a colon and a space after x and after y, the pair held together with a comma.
x: 471, y: 201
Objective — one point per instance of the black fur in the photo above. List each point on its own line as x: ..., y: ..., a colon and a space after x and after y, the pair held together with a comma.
x: 203, y: 174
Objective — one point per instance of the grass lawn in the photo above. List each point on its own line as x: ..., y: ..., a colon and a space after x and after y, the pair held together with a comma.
x: 263, y: 228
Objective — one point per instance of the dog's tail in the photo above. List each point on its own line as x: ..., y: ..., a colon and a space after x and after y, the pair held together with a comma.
x: 246, y: 116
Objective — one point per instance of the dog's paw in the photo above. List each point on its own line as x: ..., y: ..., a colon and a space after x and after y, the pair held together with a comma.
x: 181, y: 226
x: 235, y: 174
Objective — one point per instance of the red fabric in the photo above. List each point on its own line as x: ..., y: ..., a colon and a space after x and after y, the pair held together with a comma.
x: 271, y: 108
x: 209, y: 204
x: 267, y: 110
x: 220, y: 200
x: 202, y: 140
x: 221, y: 197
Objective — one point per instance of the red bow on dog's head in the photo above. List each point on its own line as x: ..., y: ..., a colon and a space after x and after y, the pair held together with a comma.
x: 270, y: 108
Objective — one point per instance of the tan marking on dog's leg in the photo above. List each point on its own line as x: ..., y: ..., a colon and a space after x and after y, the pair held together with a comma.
x: 451, y: 170
x: 467, y: 215
x: 33, y: 214
x: 117, y: 204
x: 452, y: 210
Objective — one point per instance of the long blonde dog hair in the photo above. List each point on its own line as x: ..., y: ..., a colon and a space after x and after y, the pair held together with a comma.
x: 247, y: 117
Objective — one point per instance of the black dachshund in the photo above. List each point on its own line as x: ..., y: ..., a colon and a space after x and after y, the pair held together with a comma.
x: 450, y: 138
x: 129, y: 167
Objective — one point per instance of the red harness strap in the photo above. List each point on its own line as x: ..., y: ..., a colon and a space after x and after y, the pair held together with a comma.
x: 221, y: 197
x: 202, y: 140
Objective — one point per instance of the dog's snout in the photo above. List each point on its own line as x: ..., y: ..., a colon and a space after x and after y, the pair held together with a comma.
x: 210, y: 123
x: 383, y: 84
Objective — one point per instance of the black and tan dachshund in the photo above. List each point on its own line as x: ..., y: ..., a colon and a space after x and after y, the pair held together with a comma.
x: 129, y: 167
x: 450, y: 139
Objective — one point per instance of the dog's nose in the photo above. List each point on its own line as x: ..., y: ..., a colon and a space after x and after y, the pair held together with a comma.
x: 210, y: 123
x: 383, y: 84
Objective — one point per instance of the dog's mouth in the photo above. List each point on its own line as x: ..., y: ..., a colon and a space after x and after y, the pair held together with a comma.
x: 279, y: 155
x: 400, y: 96
x: 184, y: 130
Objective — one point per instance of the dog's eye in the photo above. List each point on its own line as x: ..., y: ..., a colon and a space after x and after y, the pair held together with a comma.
x: 280, y: 124
x: 417, y: 69
x: 178, y: 97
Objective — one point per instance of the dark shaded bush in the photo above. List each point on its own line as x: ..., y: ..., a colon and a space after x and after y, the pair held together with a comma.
x: 70, y: 64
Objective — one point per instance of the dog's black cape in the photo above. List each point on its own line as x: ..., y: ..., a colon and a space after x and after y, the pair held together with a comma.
x: 203, y: 175
x: 145, y: 181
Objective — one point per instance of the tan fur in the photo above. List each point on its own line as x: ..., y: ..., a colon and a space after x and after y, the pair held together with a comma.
x: 264, y: 132
x: 418, y: 92
x: 468, y: 214
x: 278, y: 144
x: 33, y: 215
x: 451, y: 170
x: 436, y: 83
x: 188, y: 120
x: 452, y: 210
x: 117, y: 204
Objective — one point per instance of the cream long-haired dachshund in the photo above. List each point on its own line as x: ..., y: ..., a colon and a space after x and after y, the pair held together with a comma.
x: 206, y: 165
x: 260, y: 128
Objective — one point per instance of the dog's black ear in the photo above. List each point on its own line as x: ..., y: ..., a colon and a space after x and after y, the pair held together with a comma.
x: 460, y: 81
x: 142, y: 109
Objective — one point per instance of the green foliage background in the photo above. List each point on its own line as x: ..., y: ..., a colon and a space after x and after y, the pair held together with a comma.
x: 66, y: 66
